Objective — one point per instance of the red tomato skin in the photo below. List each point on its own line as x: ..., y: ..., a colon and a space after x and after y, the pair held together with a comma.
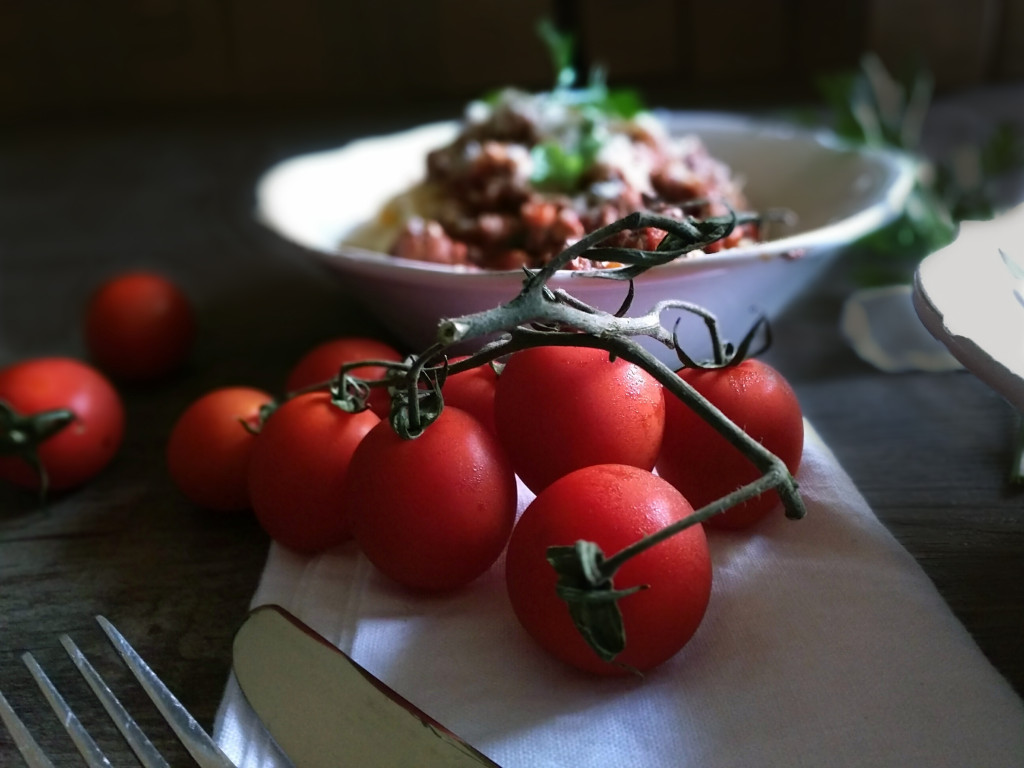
x: 558, y: 409
x: 297, y: 470
x: 209, y: 447
x: 702, y: 464
x: 322, y: 363
x: 78, y: 452
x: 473, y: 391
x: 612, y: 505
x: 139, y: 326
x: 435, y: 512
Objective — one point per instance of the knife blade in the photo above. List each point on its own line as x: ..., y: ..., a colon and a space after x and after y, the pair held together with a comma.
x: 324, y: 710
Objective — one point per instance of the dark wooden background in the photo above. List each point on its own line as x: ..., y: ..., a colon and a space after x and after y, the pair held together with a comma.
x: 63, y: 56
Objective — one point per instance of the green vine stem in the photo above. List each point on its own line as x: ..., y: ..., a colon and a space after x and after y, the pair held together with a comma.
x: 537, y: 305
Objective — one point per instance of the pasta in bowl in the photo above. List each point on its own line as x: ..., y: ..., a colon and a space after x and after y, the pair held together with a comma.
x: 348, y: 207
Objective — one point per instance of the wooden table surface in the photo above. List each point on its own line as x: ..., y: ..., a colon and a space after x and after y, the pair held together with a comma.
x: 79, y: 201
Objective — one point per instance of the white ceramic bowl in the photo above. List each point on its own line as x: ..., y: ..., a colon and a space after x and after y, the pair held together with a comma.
x: 970, y: 296
x: 838, y: 193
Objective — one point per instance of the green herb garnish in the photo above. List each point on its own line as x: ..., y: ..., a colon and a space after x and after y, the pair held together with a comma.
x: 873, y: 108
x: 618, y: 102
x: 561, y: 162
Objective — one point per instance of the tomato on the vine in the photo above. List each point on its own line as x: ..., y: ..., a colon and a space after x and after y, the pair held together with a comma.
x: 558, y: 409
x: 433, y: 512
x: 210, y: 444
x: 297, y: 470
x: 703, y: 465
x: 473, y: 391
x: 613, y: 506
x: 323, y: 362
x: 61, y: 413
x: 139, y: 326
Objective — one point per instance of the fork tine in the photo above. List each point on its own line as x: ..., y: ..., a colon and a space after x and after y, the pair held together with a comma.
x: 88, y: 748
x: 142, y: 746
x: 23, y: 740
x: 198, y: 743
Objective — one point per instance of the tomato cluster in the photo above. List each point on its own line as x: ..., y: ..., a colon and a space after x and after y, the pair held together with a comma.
x: 586, y: 434
x: 611, y: 456
x: 62, y: 420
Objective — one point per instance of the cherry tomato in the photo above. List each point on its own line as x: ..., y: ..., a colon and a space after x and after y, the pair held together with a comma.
x: 76, y: 451
x: 703, y: 465
x: 297, y: 469
x: 322, y: 363
x: 473, y: 392
x: 558, y: 409
x: 210, y: 444
x: 611, y: 505
x: 435, y: 512
x: 139, y: 326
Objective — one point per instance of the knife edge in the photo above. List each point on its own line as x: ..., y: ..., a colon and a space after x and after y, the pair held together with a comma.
x: 324, y: 709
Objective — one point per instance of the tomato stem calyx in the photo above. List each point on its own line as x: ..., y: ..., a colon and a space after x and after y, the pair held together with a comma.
x: 21, y: 435
x: 591, y: 597
x: 586, y: 576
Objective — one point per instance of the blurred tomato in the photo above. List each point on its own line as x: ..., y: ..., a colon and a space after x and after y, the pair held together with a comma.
x: 210, y: 444
x: 139, y: 326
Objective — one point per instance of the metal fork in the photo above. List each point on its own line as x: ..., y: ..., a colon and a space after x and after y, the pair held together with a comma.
x: 198, y: 743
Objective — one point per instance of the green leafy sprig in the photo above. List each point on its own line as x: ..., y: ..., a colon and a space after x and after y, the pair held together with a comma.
x: 560, y: 165
x: 872, y: 107
x: 612, y: 102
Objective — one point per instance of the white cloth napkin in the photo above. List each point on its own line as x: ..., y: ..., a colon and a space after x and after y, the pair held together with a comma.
x: 825, y: 644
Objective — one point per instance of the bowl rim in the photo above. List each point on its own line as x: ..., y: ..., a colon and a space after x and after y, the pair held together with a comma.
x: 900, y: 177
